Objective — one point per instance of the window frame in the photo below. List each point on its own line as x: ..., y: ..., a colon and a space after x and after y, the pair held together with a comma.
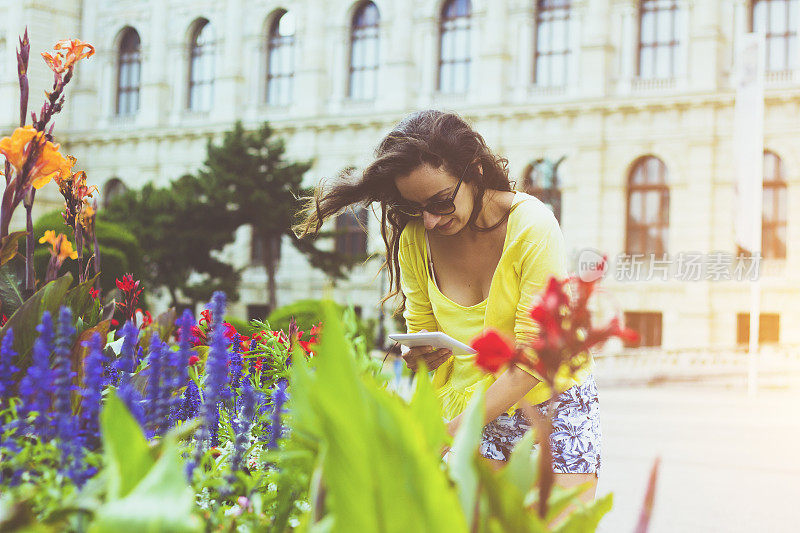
x: 662, y: 222
x: 126, y: 58
x: 674, y: 44
x: 565, y: 55
x: 445, y: 23
x: 370, y: 36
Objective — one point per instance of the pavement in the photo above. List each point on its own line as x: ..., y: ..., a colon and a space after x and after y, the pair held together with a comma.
x: 729, y: 462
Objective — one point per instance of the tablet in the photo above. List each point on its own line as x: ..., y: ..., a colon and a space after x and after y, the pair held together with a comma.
x: 437, y: 339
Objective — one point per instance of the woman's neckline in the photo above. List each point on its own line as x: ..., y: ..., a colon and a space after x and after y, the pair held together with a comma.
x: 429, y: 262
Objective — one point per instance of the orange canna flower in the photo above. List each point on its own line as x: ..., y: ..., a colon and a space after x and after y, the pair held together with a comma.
x: 74, y: 52
x: 54, y: 61
x: 48, y: 165
x: 49, y: 236
x: 14, y: 147
x: 61, y: 247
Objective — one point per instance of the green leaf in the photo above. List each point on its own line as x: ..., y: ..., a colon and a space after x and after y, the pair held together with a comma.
x: 161, y: 501
x: 128, y: 457
x: 379, y: 470
x: 27, y: 317
x: 464, y: 450
x: 521, y: 469
x: 427, y: 410
x: 505, y: 502
x: 9, y: 246
x: 79, y: 299
x: 587, y: 517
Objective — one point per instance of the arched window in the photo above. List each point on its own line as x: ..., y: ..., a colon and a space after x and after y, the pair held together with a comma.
x: 364, y: 45
x: 114, y: 187
x: 454, y: 47
x: 552, y: 43
x: 201, y: 66
x: 280, y: 59
x: 773, y: 218
x: 777, y: 20
x: 540, y: 179
x: 351, y: 239
x: 129, y: 67
x: 648, y: 207
x: 660, y: 31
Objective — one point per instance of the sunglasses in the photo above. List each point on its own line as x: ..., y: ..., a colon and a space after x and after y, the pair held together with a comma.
x: 436, y: 207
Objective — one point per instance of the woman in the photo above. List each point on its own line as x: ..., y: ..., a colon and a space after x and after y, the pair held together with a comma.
x: 466, y: 252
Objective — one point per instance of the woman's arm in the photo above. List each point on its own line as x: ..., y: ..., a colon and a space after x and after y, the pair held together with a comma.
x: 508, y: 389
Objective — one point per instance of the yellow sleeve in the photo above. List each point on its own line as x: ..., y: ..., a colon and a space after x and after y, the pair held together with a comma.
x: 540, y: 260
x: 418, y: 313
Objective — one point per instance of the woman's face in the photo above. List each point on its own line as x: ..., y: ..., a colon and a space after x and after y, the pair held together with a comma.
x: 427, y: 183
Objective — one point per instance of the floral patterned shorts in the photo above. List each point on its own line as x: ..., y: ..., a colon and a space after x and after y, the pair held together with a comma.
x: 575, y: 440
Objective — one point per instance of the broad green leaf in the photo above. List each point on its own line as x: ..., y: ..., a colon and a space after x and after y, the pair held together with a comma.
x: 79, y: 298
x: 426, y: 409
x: 128, y: 457
x: 587, y: 517
x: 9, y: 246
x: 27, y: 317
x: 505, y: 502
x: 378, y: 469
x: 463, y: 452
x: 521, y: 469
x: 161, y: 501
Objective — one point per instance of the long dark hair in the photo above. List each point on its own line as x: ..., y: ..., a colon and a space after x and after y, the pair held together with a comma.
x: 430, y: 136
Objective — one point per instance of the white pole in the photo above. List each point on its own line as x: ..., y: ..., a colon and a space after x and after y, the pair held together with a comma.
x: 749, y: 154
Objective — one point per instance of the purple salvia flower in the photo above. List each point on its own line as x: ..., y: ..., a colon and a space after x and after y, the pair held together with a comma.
x: 216, y: 380
x: 132, y: 399
x: 279, y: 398
x: 7, y: 368
x: 68, y: 440
x: 179, y: 371
x: 37, y: 385
x: 190, y: 402
x: 248, y: 401
x: 155, y: 406
x: 92, y: 392
x: 127, y: 361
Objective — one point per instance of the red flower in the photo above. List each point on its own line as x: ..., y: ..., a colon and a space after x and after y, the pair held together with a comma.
x: 315, y: 330
x: 193, y: 360
x: 494, y: 351
x: 146, y: 319
x: 230, y: 331
x: 307, y: 345
x: 94, y: 293
x: 259, y: 364
x: 206, y: 317
x: 198, y: 336
x: 3, y: 320
x: 127, y: 284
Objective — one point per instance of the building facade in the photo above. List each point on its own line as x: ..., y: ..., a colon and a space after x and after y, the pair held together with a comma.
x: 631, y: 102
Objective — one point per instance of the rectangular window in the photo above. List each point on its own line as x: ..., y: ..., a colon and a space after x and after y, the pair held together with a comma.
x: 768, y: 328
x: 647, y: 325
x: 552, y: 43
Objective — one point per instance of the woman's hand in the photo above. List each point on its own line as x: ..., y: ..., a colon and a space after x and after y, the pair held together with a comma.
x: 433, y: 358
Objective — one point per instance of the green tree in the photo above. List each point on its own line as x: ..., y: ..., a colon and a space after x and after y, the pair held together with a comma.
x: 178, y: 228
x: 248, y: 173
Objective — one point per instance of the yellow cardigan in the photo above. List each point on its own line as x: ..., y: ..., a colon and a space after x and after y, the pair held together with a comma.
x: 533, y: 250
